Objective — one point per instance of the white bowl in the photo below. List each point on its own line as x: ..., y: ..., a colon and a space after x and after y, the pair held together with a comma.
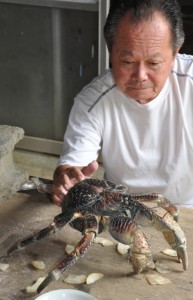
x: 66, y: 294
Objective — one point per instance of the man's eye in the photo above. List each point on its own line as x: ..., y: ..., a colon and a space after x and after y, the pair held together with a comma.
x: 154, y: 63
x: 127, y: 62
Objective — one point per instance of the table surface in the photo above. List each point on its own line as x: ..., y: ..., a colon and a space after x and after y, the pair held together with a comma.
x: 23, y: 214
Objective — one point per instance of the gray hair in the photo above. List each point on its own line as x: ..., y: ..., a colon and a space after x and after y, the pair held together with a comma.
x: 143, y: 10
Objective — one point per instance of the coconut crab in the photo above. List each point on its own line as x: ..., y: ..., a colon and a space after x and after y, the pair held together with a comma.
x: 92, y: 205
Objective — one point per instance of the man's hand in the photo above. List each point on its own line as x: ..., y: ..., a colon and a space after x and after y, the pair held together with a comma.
x: 66, y: 176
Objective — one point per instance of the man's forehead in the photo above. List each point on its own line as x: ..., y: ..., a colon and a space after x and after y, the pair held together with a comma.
x: 132, y: 53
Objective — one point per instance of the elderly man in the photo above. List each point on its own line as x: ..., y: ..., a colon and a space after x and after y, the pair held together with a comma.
x: 140, y: 111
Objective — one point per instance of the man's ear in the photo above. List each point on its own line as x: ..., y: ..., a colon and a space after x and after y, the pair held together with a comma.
x: 176, y: 51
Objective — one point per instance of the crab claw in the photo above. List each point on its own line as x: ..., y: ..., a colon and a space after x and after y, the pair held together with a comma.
x: 176, y: 239
x: 182, y: 256
x: 140, y: 256
x: 174, y: 235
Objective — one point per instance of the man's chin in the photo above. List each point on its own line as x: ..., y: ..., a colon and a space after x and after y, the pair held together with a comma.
x: 142, y: 96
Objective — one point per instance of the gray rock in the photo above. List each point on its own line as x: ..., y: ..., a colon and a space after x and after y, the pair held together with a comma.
x: 11, y: 175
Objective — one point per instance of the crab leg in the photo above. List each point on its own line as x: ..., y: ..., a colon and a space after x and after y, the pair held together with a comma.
x: 159, y: 200
x: 126, y: 231
x: 141, y: 257
x: 59, y: 222
x: 79, y: 251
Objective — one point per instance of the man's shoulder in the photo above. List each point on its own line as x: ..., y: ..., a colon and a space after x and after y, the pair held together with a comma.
x: 96, y: 89
x: 101, y: 82
x: 183, y: 65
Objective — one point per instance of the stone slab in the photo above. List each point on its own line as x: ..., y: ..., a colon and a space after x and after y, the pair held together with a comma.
x: 11, y: 175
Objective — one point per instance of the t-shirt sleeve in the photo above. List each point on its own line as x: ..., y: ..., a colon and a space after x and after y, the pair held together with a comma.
x: 82, y: 139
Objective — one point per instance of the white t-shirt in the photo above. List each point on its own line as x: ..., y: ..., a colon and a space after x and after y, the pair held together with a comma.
x: 146, y: 147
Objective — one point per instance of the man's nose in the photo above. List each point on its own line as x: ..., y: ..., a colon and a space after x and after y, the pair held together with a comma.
x: 140, y: 72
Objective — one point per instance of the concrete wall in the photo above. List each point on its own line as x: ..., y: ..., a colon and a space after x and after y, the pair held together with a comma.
x: 46, y: 56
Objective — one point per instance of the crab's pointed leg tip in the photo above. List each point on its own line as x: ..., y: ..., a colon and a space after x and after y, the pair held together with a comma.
x: 45, y: 283
x: 185, y: 264
x: 12, y: 249
x: 183, y: 257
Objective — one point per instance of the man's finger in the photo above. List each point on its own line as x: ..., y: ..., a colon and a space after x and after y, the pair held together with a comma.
x: 90, y: 169
x: 57, y: 200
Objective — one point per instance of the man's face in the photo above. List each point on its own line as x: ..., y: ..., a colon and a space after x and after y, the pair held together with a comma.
x: 142, y: 57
